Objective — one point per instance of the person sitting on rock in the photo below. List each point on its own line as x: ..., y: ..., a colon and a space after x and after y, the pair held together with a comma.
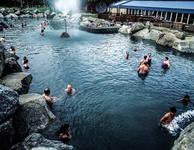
x: 12, y: 50
x: 65, y: 134
x: 25, y: 63
x: 168, y: 117
x: 69, y: 90
x: 49, y: 100
x: 185, y: 100
x: 166, y: 63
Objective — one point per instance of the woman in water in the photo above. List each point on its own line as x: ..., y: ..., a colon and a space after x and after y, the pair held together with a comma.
x: 25, y: 63
x: 69, y: 90
x: 166, y: 63
x: 145, y: 59
x: 49, y: 100
x: 65, y: 134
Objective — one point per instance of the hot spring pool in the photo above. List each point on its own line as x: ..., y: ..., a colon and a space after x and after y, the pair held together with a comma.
x: 113, y: 109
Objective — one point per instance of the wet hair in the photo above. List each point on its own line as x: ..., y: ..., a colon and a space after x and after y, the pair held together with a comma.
x: 173, y: 109
x: 64, y: 128
x: 145, y: 57
x: 145, y: 63
x: 25, y: 58
x: 47, y: 91
x: 12, y: 47
x: 166, y: 58
x: 187, y: 96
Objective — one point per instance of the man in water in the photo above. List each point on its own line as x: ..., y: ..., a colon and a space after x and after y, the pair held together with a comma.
x: 49, y: 100
x: 145, y: 59
x: 168, y: 117
x: 69, y: 90
x: 166, y: 63
x: 143, y: 69
x: 185, y: 100
x: 65, y: 134
x: 25, y: 63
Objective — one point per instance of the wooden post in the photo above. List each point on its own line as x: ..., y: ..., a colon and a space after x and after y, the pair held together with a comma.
x: 182, y: 17
x: 156, y: 13
x: 188, y: 18
x: 161, y: 14
x: 171, y: 16
x: 166, y: 15
x: 176, y: 17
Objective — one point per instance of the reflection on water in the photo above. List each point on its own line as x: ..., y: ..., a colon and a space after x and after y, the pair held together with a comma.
x: 112, y: 108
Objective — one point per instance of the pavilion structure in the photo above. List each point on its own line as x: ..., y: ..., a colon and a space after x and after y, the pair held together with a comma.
x: 172, y: 11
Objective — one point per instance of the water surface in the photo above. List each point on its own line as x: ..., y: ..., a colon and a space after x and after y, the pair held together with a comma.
x: 112, y: 108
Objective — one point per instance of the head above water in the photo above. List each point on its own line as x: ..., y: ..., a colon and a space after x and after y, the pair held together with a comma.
x: 47, y: 91
x: 173, y: 110
x: 145, y: 57
x: 186, y: 96
x: 12, y: 48
x: 64, y: 127
x: 166, y: 58
x: 25, y: 58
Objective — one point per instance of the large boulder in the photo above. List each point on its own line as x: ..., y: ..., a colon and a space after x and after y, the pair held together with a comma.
x: 125, y: 29
x: 36, y: 141
x: 1, y: 16
x: 186, y: 45
x: 7, y: 135
x: 9, y: 103
x: 178, y: 34
x: 11, y: 66
x: 2, y: 61
x: 137, y: 27
x: 32, y: 116
x: 11, y: 15
x: 142, y: 33
x: 19, y: 82
x: 186, y: 139
x: 18, y: 12
x: 4, y: 25
x: 166, y: 39
x: 26, y: 16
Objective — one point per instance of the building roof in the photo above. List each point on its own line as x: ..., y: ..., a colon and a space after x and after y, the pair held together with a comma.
x: 171, y: 6
x: 119, y: 3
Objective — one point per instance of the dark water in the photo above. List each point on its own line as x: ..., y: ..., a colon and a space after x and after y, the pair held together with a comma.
x: 113, y: 109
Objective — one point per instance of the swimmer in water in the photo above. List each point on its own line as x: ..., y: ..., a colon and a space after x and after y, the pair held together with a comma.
x: 49, y: 100
x: 166, y: 63
x: 25, y: 63
x: 12, y: 50
x: 168, y: 117
x: 145, y: 59
x: 149, y: 59
x: 42, y: 32
x: 185, y: 100
x: 127, y: 55
x: 143, y: 69
x: 69, y: 90
x: 64, y: 133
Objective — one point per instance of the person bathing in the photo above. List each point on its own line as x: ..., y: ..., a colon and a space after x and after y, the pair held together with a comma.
x: 49, y: 100
x: 64, y: 133
x: 166, y: 63
x: 25, y: 63
x: 69, y: 90
x: 168, y: 117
